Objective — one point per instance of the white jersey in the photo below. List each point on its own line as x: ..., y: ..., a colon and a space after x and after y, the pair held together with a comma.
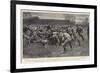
x: 67, y: 36
x: 54, y: 34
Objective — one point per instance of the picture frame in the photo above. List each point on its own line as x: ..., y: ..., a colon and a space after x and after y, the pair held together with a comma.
x: 51, y: 13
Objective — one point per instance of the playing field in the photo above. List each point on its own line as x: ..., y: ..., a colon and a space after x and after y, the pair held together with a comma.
x: 37, y: 50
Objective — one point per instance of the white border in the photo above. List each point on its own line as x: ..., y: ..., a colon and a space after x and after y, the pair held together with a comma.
x: 69, y: 60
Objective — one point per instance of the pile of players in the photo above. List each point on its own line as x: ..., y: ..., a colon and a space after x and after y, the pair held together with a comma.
x: 54, y: 35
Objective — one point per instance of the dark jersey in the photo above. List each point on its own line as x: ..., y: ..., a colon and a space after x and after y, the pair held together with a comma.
x: 79, y: 30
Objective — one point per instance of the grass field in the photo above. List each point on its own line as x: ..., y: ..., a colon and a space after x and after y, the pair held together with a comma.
x: 37, y: 50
